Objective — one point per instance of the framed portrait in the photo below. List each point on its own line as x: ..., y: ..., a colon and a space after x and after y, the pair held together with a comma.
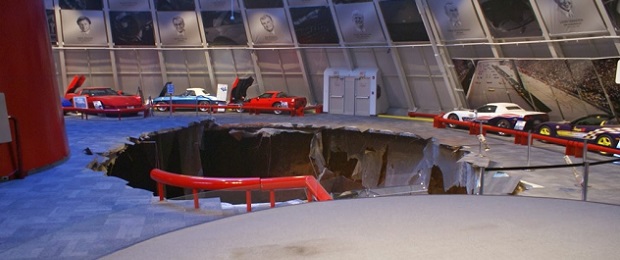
x: 83, y: 27
x: 132, y: 28
x: 359, y: 23
x: 563, y: 17
x: 269, y: 26
x: 178, y: 28
x: 456, y: 19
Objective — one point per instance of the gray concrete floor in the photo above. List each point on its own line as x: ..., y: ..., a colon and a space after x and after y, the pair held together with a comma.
x: 71, y: 212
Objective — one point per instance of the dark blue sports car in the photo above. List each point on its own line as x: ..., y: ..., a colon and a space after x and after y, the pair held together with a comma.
x: 600, y: 129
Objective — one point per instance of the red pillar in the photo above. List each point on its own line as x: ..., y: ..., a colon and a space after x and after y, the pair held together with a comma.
x: 27, y: 81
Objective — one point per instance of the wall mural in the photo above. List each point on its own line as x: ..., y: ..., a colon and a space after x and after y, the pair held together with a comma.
x: 566, y: 89
x: 314, y: 25
x: 224, y: 28
x: 132, y: 28
x: 510, y: 18
x: 403, y: 21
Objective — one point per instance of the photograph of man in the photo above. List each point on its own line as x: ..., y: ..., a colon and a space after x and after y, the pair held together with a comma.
x: 565, y: 7
x: 269, y: 26
x: 81, y: 27
x: 453, y: 14
x: 267, y: 23
x: 179, y: 25
x: 358, y: 20
x: 175, y: 5
x: 84, y: 23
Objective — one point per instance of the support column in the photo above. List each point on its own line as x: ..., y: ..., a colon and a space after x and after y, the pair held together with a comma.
x: 27, y: 80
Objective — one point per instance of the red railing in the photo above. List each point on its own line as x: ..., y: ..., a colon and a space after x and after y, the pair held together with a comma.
x: 196, y: 183
x: 299, y: 111
x: 574, y: 148
x: 116, y: 111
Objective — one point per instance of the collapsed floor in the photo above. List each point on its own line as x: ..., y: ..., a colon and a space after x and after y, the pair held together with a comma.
x: 348, y: 162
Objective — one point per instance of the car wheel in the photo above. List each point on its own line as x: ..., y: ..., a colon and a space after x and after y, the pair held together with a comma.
x: 604, y: 140
x: 453, y: 117
x: 503, y: 123
x: 203, y: 103
x: 546, y: 131
x: 277, y: 112
x: 162, y: 106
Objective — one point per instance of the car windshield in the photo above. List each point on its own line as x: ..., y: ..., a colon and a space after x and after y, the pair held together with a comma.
x: 265, y: 95
x: 100, y: 92
x: 513, y: 108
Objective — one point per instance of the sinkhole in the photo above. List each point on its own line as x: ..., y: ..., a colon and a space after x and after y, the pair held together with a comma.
x: 348, y: 162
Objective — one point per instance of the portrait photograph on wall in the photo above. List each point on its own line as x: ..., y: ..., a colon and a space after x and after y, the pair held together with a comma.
x: 456, y: 19
x: 81, y: 4
x: 566, y: 89
x: 269, y: 26
x: 403, y: 21
x: 613, y: 11
x: 314, y: 25
x: 568, y: 16
x: 359, y: 23
x: 83, y: 27
x: 299, y: 3
x: 178, y: 29
x: 254, y: 4
x: 132, y: 28
x: 219, y: 5
x: 510, y: 18
x: 51, y: 26
x: 220, y: 29
x: 175, y: 5
x: 129, y: 5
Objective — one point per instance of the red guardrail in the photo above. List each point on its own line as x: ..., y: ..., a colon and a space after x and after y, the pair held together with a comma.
x: 251, y: 109
x: 312, y: 186
x: 574, y: 148
x: 119, y: 112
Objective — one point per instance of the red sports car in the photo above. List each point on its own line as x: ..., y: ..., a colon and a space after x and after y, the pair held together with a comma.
x: 269, y: 99
x: 103, y: 98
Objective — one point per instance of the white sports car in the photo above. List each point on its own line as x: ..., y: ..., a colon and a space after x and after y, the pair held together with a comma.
x: 505, y: 115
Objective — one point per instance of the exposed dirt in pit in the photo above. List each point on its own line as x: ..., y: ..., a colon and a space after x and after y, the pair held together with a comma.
x: 343, y: 160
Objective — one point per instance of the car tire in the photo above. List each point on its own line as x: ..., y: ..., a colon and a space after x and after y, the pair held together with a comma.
x: 604, y: 140
x: 453, y: 117
x: 277, y: 105
x: 503, y: 123
x: 162, y: 106
x: 204, y: 103
x: 546, y: 131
